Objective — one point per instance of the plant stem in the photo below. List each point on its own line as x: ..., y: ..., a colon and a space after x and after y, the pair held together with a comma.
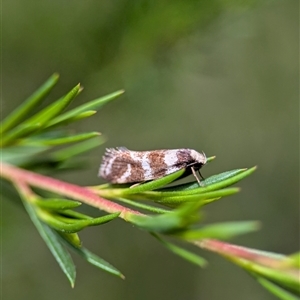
x: 20, y: 177
x: 230, y: 250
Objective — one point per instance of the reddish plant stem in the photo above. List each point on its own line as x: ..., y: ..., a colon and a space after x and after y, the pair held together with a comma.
x: 240, y: 252
x: 23, y: 179
x: 19, y: 177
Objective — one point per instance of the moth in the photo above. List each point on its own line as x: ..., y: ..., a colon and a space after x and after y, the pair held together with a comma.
x: 121, y: 165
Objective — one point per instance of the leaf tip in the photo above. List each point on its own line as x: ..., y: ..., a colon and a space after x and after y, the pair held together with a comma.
x: 252, y: 169
x: 55, y: 75
x: 209, y: 159
x: 249, y: 169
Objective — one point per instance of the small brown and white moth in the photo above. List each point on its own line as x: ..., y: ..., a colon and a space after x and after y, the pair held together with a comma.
x: 120, y: 165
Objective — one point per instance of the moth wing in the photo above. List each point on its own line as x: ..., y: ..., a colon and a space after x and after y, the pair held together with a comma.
x: 111, y: 154
x: 117, y: 161
x: 122, y: 149
x: 160, y: 163
x: 109, y: 151
x: 161, y: 172
x: 165, y: 162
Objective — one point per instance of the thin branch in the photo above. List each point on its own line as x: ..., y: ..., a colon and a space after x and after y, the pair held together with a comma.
x: 230, y: 250
x: 20, y: 177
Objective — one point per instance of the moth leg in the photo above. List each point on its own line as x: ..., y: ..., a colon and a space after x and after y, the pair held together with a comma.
x: 195, y: 175
x: 201, y: 175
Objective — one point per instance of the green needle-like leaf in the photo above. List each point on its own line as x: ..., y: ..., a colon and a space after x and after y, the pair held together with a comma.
x: 41, y: 118
x: 294, y: 260
x: 277, y: 290
x: 161, y: 198
x: 74, y: 150
x: 57, y: 204
x: 52, y: 110
x: 171, y: 222
x: 75, y: 118
x: 144, y: 206
x: 97, y: 261
x: 21, y: 154
x: 219, y: 181
x: 91, y: 105
x: 71, y: 238
x: 74, y: 214
x: 151, y: 185
x: 165, y: 223
x: 18, y: 132
x: 70, y: 139
x: 185, y: 254
x: 69, y: 225
x: 224, y: 180
x: 61, y: 255
x: 208, y: 181
x: 221, y: 231
x: 26, y: 107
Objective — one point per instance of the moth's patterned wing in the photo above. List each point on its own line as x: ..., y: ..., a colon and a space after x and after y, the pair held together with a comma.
x: 122, y: 149
x: 165, y: 162
x: 121, y: 165
x: 117, y: 165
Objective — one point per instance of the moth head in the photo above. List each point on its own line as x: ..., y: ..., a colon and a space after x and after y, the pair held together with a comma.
x: 199, y: 158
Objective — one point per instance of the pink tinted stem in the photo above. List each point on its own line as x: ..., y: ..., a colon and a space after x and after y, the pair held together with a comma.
x: 19, y: 177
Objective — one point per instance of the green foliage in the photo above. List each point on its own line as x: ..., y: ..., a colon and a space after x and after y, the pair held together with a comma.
x: 274, y: 272
x: 20, y: 113
x: 278, y: 291
x: 32, y: 140
x: 29, y: 139
x: 185, y: 254
x: 213, y: 188
x: 49, y: 229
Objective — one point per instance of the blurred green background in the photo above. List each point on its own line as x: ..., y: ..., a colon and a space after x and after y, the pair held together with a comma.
x: 218, y: 76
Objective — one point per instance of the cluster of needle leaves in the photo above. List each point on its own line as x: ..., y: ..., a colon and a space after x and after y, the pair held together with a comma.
x: 177, y: 207
x: 37, y: 140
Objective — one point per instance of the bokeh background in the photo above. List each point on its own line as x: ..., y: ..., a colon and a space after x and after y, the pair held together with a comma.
x: 219, y: 76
